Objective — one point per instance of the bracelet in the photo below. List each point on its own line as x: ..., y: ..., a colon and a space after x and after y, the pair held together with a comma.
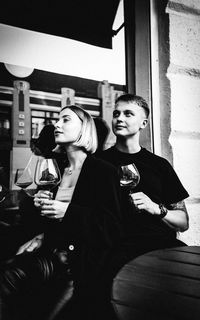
x: 163, y: 211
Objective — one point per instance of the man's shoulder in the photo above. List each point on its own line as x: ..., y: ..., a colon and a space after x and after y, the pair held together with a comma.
x: 154, y: 157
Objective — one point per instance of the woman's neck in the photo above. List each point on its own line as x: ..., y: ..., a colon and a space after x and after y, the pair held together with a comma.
x: 129, y: 145
x: 76, y: 157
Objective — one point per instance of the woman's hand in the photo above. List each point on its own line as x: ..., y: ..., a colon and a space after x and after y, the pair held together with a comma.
x: 53, y: 209
x: 40, y: 196
x: 143, y: 202
x: 31, y: 245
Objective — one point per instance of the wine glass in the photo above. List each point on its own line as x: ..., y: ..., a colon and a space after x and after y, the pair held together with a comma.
x: 129, y: 177
x: 25, y: 178
x: 47, y: 173
x: 3, y: 192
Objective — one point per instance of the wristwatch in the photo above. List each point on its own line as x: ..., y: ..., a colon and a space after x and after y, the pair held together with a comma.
x: 163, y: 211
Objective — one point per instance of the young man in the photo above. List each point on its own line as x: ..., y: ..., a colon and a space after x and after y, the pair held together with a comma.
x: 156, y: 211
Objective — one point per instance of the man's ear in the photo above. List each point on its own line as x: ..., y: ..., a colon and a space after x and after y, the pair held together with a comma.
x: 144, y: 123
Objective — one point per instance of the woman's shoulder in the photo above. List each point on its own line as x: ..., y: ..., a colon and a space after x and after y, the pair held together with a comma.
x: 108, y: 155
x: 101, y: 164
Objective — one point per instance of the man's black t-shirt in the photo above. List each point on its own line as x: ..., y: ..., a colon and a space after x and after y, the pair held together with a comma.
x: 158, y: 181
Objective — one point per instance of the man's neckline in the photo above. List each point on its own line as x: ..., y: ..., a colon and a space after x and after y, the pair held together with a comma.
x: 128, y: 153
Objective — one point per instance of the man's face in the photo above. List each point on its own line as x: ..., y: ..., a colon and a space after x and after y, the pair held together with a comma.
x: 128, y: 119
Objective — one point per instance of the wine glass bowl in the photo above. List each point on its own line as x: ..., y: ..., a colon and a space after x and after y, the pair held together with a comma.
x: 3, y: 192
x: 23, y: 178
x: 47, y: 173
x: 129, y: 177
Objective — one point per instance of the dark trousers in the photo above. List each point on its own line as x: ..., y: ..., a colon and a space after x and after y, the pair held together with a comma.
x: 34, y: 286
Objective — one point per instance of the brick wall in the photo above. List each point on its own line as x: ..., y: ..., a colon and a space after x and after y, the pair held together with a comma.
x: 184, y: 76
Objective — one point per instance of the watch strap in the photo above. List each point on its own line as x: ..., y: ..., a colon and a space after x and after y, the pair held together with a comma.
x: 163, y: 211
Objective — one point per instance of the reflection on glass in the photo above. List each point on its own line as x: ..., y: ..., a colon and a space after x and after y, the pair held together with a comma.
x: 129, y: 177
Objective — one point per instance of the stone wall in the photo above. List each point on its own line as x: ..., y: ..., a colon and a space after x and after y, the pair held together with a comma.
x: 184, y: 76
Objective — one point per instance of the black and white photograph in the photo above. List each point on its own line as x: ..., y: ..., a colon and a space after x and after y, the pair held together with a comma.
x: 99, y: 160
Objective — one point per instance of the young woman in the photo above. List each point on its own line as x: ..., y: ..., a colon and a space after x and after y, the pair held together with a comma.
x: 80, y: 225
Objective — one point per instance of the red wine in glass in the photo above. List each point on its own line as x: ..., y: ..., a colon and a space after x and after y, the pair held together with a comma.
x: 47, y: 173
x: 24, y: 178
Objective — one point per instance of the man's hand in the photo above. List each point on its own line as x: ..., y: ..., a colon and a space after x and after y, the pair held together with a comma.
x: 143, y: 202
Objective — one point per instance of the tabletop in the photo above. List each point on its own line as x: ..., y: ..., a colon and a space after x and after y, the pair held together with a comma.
x: 159, y: 285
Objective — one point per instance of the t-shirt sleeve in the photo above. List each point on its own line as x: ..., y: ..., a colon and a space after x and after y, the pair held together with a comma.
x: 173, y: 190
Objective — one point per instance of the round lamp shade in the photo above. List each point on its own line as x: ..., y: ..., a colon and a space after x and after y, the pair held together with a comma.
x: 18, y: 71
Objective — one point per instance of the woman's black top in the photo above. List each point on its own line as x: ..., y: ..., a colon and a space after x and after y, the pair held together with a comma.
x: 91, y: 225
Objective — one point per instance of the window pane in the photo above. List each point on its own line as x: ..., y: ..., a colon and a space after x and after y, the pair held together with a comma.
x: 36, y: 113
x: 37, y: 125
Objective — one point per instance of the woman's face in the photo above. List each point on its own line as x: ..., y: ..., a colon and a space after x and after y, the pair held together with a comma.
x: 68, y: 128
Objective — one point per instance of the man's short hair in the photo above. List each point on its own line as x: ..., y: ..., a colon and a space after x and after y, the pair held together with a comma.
x: 132, y: 98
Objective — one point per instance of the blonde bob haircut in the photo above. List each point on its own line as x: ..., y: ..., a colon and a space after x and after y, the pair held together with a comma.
x: 88, y: 135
